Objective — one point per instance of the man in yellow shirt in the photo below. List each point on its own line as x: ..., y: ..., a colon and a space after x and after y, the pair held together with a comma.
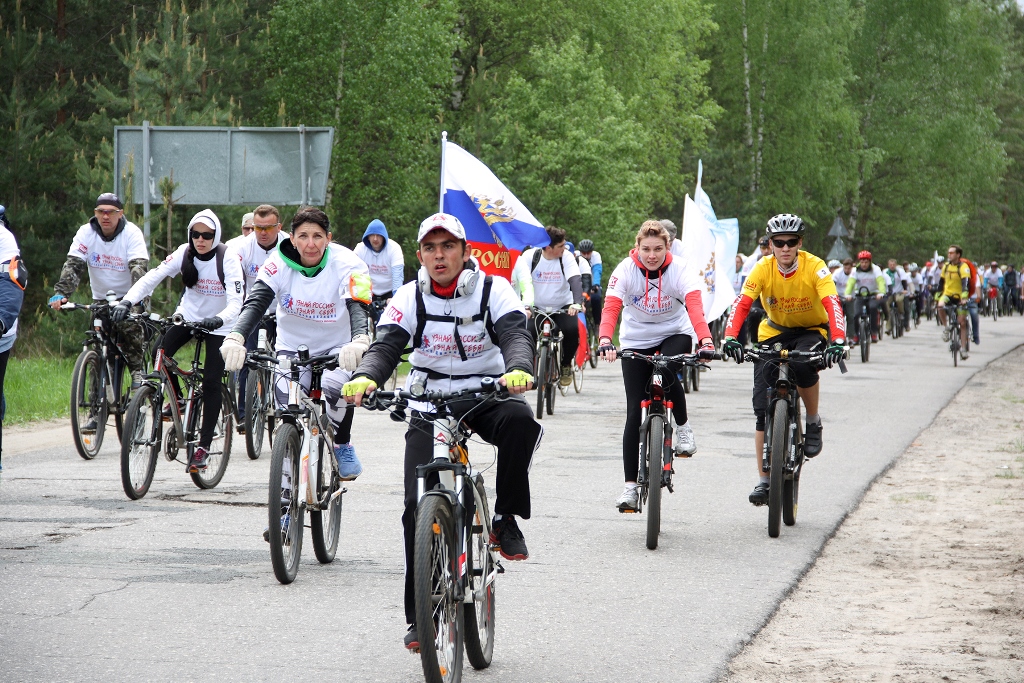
x: 803, y: 312
x: 954, y: 283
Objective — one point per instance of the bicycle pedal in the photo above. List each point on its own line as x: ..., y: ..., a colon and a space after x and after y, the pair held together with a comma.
x: 627, y: 511
x: 684, y: 455
x: 500, y: 569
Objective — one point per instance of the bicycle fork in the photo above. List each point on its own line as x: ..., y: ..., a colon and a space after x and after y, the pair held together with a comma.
x: 657, y: 405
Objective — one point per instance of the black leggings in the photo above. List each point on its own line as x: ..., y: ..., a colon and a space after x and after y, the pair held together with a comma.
x: 213, y: 370
x: 636, y: 375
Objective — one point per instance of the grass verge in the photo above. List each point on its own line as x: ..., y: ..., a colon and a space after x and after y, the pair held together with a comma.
x: 37, y: 389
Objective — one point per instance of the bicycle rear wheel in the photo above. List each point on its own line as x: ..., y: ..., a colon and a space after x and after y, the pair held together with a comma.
x: 577, y: 377
x: 593, y: 343
x: 777, y: 463
x: 542, y: 380
x: 325, y: 525
x: 479, y: 616
x: 257, y: 394
x: 685, y: 377
x: 438, y: 613
x: 88, y: 404
x: 220, y: 448
x: 284, y: 514
x: 652, y: 452
x: 140, y: 442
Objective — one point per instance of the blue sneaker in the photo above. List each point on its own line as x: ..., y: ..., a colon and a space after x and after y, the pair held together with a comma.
x: 349, y: 466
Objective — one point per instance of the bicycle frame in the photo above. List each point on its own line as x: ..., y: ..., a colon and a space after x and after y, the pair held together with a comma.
x: 548, y: 334
x: 784, y: 390
x: 164, y: 369
x: 657, y: 404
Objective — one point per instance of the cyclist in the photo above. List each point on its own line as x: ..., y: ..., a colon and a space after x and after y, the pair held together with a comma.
x: 992, y: 278
x: 384, y: 258
x: 557, y: 282
x: 1011, y: 287
x: 596, y: 267
x: 113, y: 252
x: 651, y: 285
x: 254, y: 250
x: 803, y: 312
x: 675, y: 246
x: 13, y: 280
x: 247, y: 221
x: 866, y: 274
x: 462, y: 326
x: 212, y: 275
x: 322, y: 292
x: 954, y: 287
x: 897, y: 284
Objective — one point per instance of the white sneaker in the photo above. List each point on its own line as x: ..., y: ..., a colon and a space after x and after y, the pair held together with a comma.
x: 629, y: 500
x: 963, y: 355
x: 685, y: 443
x: 945, y: 335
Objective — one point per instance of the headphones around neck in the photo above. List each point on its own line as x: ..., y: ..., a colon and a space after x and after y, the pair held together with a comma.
x: 467, y: 281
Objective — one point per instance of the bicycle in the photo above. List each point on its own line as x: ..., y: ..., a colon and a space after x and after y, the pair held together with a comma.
x: 593, y: 341
x: 992, y: 303
x: 303, y: 470
x: 548, y: 358
x: 143, y: 422
x: 259, y: 392
x: 657, y: 425
x: 452, y: 532
x: 864, y: 297
x: 783, y: 454
x: 100, y: 381
x: 953, y: 312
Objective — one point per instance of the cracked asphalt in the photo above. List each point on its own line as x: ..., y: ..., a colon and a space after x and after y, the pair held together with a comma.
x: 178, y: 586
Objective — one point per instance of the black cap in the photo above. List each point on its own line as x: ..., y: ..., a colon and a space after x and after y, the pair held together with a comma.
x: 763, y: 241
x: 109, y: 199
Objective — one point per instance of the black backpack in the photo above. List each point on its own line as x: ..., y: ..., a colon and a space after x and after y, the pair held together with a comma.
x: 422, y: 317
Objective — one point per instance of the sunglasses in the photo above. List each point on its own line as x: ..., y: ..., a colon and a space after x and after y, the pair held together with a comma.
x: 788, y: 244
x: 265, y: 228
x: 106, y: 212
x: 208, y: 236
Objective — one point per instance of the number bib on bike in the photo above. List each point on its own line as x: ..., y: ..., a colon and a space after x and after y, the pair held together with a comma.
x: 455, y: 340
x: 653, y: 310
x: 312, y: 310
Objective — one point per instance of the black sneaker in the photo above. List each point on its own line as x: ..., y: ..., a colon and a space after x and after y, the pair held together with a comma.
x: 89, y: 427
x: 759, y: 496
x: 508, y: 540
x: 812, y: 439
x: 412, y: 639
x: 200, y: 459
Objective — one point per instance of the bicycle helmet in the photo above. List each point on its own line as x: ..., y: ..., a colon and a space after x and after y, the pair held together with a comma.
x: 785, y: 224
x: 570, y: 247
x: 586, y: 245
x: 834, y: 263
x: 864, y: 254
x: 914, y: 267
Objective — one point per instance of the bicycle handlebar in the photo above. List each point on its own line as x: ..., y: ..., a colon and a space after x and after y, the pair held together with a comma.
x: 659, y: 359
x: 381, y: 400
x: 327, y: 361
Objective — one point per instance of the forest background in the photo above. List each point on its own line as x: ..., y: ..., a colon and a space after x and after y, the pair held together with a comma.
x: 903, y: 117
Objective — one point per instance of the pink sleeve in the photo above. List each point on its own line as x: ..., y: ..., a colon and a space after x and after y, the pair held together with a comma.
x: 610, y: 316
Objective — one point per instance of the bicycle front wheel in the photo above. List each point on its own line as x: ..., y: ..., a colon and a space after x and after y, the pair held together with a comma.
x: 284, y: 514
x: 220, y: 447
x: 695, y: 377
x: 777, y: 463
x: 140, y: 442
x: 438, y: 613
x: 865, y: 340
x: 653, y: 449
x: 479, y: 616
x: 325, y: 525
x: 542, y: 380
x: 88, y: 404
x: 256, y: 396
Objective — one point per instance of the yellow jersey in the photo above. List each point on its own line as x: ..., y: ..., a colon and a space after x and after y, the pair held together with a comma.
x: 955, y: 278
x: 793, y: 301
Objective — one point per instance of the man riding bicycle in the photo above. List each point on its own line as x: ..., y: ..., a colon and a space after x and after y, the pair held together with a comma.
x: 992, y: 282
x: 113, y: 251
x: 897, y: 282
x: 803, y: 313
x: 954, y: 288
x: 557, y: 283
x: 462, y: 326
x: 1011, y: 288
x: 384, y: 257
x: 866, y: 274
x: 594, y: 259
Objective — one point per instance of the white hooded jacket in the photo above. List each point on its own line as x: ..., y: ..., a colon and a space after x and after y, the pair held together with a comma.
x: 209, y: 297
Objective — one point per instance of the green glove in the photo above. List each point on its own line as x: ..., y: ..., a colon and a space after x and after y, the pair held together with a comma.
x: 733, y: 349
x: 360, y: 386
x: 517, y: 378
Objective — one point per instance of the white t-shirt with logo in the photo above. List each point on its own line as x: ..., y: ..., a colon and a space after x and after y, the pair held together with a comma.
x: 840, y: 276
x: 550, y: 286
x: 253, y: 255
x: 652, y: 310
x: 8, y: 250
x: 380, y: 264
x: 313, y: 310
x: 437, y: 350
x: 108, y: 261
x: 208, y: 298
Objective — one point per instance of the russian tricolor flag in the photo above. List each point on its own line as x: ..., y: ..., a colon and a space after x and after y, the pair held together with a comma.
x: 497, y: 224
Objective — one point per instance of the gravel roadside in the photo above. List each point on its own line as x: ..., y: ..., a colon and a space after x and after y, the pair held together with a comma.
x: 924, y: 581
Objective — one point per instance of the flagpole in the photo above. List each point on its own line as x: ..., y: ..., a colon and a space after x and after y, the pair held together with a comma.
x: 444, y: 142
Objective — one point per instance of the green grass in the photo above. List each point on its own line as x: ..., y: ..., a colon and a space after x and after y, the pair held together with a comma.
x: 37, y: 389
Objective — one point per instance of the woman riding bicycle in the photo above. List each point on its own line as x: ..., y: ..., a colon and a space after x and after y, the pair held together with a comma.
x: 322, y: 292
x: 214, y: 283
x: 653, y: 286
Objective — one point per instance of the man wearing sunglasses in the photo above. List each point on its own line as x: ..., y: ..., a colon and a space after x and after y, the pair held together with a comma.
x: 112, y: 250
x: 803, y: 313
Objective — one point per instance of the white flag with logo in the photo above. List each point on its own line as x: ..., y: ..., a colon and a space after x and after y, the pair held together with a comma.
x: 710, y: 245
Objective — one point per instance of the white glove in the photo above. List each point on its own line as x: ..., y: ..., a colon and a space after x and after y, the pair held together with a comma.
x: 352, y: 353
x: 575, y: 309
x: 233, y: 351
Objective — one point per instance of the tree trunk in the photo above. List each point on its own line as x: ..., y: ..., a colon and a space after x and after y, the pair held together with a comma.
x: 749, y: 122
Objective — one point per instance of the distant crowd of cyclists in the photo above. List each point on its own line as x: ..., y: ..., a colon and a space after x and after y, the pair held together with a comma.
x: 455, y: 325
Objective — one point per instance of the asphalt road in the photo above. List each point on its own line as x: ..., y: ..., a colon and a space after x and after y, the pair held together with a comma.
x: 178, y: 586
